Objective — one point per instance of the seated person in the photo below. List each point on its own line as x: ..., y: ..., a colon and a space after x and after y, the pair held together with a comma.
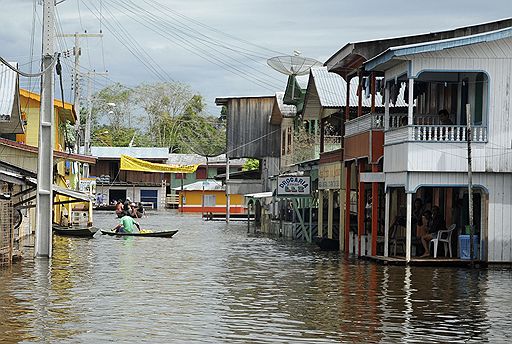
x: 119, y: 209
x: 126, y: 225
x: 436, y: 224
x: 444, y: 117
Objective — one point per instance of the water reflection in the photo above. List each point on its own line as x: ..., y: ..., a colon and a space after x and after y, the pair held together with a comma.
x: 215, y: 283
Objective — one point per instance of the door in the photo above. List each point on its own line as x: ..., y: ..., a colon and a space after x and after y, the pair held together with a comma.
x: 149, y: 196
x: 116, y: 195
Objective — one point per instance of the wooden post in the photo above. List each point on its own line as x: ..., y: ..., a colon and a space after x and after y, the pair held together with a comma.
x: 360, y: 208
x: 470, y: 184
x: 410, y: 105
x: 322, y: 135
x: 408, y: 228
x: 373, y: 91
x: 330, y: 216
x: 386, y: 107
x: 347, y: 207
x: 360, y: 94
x: 320, y: 213
x: 386, y: 224
x: 375, y: 207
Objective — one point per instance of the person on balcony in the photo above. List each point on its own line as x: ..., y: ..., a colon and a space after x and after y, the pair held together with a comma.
x: 444, y: 117
x: 436, y: 224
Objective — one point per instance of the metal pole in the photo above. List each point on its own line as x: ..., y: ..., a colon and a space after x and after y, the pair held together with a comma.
x: 228, y: 200
x: 43, y: 244
x: 87, y: 140
x: 470, y: 182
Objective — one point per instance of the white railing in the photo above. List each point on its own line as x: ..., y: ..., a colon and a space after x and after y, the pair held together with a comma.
x: 364, y: 123
x: 435, y: 133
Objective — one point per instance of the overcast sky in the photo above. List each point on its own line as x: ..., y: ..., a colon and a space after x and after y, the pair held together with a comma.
x: 220, y: 47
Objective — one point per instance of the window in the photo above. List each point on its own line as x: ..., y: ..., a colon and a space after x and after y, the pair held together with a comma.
x: 201, y: 173
x: 181, y: 176
x: 209, y: 200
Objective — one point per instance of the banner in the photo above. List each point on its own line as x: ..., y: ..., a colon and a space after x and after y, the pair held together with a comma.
x: 133, y: 164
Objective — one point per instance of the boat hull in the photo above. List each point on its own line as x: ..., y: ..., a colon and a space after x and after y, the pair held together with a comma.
x: 165, y: 234
x: 84, y: 232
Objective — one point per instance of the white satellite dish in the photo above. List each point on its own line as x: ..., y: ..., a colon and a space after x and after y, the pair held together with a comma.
x: 293, y: 64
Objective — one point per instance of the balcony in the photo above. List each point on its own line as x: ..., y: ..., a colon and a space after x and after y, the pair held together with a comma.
x: 370, y: 121
x: 308, y: 148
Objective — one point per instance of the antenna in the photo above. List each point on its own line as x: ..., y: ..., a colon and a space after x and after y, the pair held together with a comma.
x: 293, y: 66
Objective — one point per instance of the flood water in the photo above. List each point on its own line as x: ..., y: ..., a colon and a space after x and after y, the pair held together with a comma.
x: 214, y: 283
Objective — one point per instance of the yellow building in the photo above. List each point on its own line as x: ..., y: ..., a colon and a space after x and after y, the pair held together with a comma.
x: 23, y: 153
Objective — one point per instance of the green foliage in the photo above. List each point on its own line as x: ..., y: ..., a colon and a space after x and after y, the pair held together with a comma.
x: 251, y: 164
x: 169, y: 115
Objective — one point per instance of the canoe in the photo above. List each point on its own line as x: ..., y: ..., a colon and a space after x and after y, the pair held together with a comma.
x: 164, y: 234
x: 326, y: 244
x: 80, y: 232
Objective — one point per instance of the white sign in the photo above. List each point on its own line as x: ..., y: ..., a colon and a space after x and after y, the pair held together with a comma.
x: 293, y: 186
x: 329, y: 176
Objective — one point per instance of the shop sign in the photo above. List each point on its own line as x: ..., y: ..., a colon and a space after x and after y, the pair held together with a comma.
x: 329, y: 176
x: 293, y: 186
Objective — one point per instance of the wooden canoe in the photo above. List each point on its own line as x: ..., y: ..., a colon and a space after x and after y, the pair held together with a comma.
x: 164, y: 234
x: 80, y: 232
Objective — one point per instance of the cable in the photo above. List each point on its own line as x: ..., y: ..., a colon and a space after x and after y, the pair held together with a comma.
x: 28, y: 75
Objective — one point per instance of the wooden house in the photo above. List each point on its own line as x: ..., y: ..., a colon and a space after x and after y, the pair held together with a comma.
x: 425, y: 155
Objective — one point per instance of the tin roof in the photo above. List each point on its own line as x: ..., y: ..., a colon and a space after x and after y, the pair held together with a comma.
x: 194, y: 159
x: 151, y: 153
x: 379, y: 61
x: 206, y: 185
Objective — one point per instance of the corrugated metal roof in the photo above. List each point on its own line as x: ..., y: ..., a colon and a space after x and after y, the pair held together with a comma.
x: 157, y: 153
x: 10, y: 114
x: 194, y: 159
x: 286, y: 110
x: 424, y: 47
x: 328, y: 90
x: 208, y: 185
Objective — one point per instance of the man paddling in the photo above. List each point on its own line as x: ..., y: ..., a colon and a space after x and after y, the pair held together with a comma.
x: 126, y: 225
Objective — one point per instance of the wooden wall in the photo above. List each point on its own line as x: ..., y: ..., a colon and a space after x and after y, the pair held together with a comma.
x: 249, y: 133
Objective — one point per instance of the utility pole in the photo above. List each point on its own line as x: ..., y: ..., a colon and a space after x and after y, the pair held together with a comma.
x: 470, y: 183
x: 87, y: 139
x: 77, y: 51
x: 43, y: 244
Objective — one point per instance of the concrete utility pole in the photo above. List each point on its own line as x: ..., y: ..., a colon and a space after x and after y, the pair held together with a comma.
x: 43, y: 244
x: 76, y: 97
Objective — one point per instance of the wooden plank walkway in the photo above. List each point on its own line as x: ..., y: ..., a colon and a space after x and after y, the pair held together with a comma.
x: 434, y: 262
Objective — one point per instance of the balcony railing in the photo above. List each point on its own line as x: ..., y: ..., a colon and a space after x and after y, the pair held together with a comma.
x: 435, y: 133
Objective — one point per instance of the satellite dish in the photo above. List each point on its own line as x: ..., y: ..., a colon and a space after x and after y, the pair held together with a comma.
x: 293, y: 64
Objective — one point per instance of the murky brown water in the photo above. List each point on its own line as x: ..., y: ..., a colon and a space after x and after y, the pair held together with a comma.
x: 214, y: 283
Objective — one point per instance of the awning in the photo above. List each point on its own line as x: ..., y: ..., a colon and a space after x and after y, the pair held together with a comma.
x: 259, y: 195
x: 133, y: 164
x: 78, y: 195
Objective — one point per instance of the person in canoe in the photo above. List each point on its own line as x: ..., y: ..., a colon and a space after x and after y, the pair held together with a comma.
x: 119, y: 209
x: 126, y: 225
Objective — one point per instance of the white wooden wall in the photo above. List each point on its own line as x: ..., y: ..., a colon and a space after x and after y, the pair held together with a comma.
x: 494, y: 58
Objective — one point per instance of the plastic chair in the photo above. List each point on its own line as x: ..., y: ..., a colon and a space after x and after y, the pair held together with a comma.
x: 444, y: 236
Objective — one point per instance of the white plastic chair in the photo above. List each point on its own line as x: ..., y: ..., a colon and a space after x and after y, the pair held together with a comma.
x: 444, y: 236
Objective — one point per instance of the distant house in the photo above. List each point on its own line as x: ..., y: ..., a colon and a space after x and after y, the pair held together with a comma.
x: 114, y: 184
x: 208, y: 196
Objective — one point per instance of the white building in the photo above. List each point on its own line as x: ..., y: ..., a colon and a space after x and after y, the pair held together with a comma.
x: 427, y: 159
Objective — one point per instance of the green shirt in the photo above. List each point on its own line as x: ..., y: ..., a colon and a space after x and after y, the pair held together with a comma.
x: 128, y: 223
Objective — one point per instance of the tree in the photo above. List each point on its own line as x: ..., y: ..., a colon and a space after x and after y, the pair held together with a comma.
x: 251, y: 164
x: 163, y: 103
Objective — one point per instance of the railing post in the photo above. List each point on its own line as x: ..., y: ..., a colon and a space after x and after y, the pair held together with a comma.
x: 386, y: 107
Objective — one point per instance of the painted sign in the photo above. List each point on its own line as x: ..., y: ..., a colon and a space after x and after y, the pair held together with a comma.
x: 329, y: 176
x: 293, y: 186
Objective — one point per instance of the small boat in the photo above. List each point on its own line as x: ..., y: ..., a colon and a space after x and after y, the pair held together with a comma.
x: 81, y: 232
x: 326, y: 244
x: 164, y: 234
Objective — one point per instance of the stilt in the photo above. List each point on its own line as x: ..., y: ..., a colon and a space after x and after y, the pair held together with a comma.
x: 360, y: 209
x: 408, y: 228
x: 375, y: 207
x: 330, y: 217
x: 320, y: 213
x: 386, y: 225
x: 347, y: 208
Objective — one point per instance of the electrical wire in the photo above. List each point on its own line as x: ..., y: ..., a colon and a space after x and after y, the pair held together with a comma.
x: 28, y: 75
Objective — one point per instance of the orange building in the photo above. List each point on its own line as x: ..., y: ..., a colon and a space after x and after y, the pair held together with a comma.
x: 208, y: 196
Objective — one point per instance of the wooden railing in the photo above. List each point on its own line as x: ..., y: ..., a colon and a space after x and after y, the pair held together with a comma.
x: 435, y: 133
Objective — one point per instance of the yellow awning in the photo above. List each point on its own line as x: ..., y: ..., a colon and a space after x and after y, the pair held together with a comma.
x: 133, y: 164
